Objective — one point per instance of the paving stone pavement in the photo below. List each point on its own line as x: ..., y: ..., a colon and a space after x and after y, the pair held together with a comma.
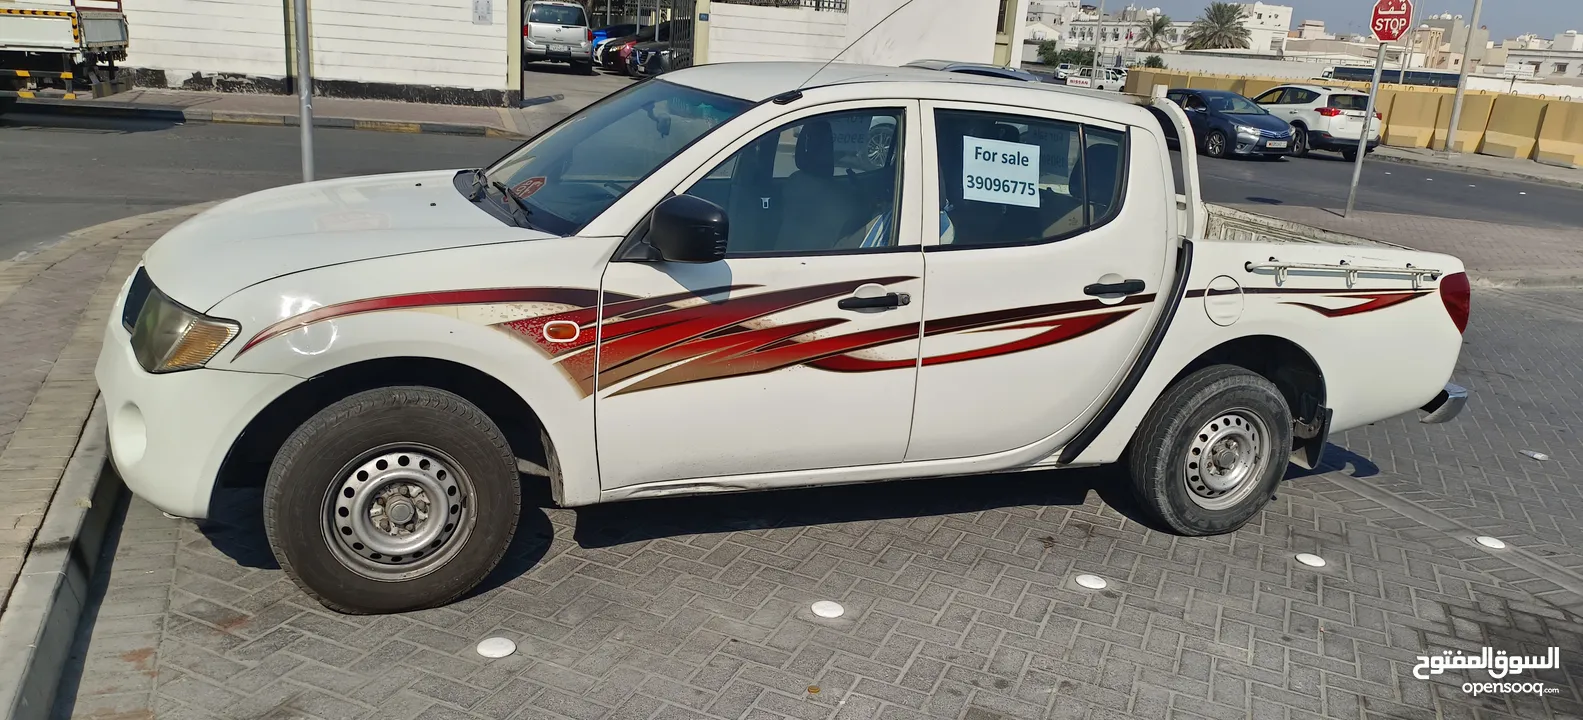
x: 958, y: 593
x: 53, y: 306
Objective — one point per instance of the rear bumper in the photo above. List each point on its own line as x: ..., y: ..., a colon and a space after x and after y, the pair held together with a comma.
x: 577, y: 53
x: 1446, y: 406
x: 1326, y: 141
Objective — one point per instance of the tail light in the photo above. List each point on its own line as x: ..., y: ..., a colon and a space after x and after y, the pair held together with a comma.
x: 526, y: 30
x: 1458, y: 298
x: 1379, y: 116
x: 590, y: 34
x: 1330, y: 111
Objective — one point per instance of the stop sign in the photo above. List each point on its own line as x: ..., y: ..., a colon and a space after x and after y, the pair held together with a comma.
x: 1391, y: 19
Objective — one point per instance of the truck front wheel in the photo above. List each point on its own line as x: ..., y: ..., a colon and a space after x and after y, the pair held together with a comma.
x: 392, y: 499
x: 1211, y: 451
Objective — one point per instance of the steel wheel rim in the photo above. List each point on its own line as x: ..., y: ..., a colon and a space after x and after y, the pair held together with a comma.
x: 1226, y: 458
x: 398, y: 512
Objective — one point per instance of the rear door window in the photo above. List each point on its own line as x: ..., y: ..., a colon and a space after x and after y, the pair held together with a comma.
x: 557, y: 15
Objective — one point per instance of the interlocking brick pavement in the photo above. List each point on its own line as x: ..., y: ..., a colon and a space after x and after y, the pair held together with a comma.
x: 958, y: 593
x: 1501, y: 254
x: 53, y: 307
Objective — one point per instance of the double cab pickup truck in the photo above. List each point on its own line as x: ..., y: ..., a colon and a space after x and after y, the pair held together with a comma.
x: 690, y: 287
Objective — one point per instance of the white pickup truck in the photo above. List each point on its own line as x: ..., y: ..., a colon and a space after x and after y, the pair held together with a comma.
x: 685, y: 289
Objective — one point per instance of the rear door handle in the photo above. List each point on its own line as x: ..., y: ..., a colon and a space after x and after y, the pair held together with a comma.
x: 1125, y: 287
x: 888, y: 300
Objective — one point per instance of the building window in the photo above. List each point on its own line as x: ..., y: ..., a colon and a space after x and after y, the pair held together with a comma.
x: 1561, y: 68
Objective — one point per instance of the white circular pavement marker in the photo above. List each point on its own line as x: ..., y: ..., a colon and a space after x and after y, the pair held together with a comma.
x: 1092, y: 582
x: 1489, y: 542
x: 828, y: 609
x: 496, y: 647
x: 1310, y: 559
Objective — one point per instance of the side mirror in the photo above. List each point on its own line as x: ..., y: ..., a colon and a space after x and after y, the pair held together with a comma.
x: 689, y: 229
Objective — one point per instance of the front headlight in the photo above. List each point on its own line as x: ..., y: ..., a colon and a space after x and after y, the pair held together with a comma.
x: 1246, y: 130
x: 168, y: 337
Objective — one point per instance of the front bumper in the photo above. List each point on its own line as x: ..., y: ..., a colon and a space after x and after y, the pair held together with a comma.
x: 1446, y: 406
x: 1248, y: 145
x: 170, y: 433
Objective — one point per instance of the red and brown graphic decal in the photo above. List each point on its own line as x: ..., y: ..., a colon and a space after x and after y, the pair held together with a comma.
x: 1370, y: 302
x: 724, y: 331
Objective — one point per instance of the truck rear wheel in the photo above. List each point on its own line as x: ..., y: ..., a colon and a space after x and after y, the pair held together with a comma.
x: 393, y: 499
x: 1211, y: 451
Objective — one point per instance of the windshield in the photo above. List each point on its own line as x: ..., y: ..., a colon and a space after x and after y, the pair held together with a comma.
x: 557, y: 15
x: 1234, y: 105
x: 571, y: 173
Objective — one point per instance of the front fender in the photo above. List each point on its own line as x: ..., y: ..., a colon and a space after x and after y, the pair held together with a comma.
x: 465, y: 333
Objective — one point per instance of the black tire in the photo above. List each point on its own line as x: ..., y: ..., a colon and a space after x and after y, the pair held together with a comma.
x: 583, y: 68
x: 1180, y: 423
x: 1299, y: 141
x: 1350, y: 154
x: 1216, y: 145
x: 326, y: 452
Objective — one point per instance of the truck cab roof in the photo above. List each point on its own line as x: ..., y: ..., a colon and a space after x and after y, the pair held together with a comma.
x: 760, y: 81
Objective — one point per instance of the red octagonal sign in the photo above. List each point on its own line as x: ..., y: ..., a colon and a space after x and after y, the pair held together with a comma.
x: 1391, y: 19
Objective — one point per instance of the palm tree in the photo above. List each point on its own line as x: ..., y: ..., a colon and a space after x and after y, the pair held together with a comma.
x: 1155, y: 34
x: 1220, y: 28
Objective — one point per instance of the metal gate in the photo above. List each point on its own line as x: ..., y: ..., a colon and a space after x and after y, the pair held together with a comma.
x: 678, y: 16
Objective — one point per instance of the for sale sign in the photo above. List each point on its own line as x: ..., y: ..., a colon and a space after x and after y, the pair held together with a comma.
x: 1391, y: 19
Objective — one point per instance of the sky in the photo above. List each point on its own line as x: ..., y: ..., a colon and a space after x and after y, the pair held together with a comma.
x: 1505, y: 18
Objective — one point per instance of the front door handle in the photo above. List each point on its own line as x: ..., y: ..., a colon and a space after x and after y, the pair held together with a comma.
x: 1125, y: 287
x: 888, y: 300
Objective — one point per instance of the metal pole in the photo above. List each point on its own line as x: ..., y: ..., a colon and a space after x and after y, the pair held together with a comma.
x: 1363, y: 138
x: 1099, y: 36
x: 1462, y: 79
x: 304, y: 88
x: 1407, y: 48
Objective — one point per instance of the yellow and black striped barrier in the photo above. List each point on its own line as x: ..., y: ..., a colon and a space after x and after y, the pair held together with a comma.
x: 35, y: 74
x: 41, y: 95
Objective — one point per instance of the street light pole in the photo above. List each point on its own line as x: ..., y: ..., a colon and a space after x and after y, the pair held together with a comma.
x: 304, y: 87
x: 1099, y: 36
x: 1407, y: 48
x: 1462, y: 79
x: 1368, y: 124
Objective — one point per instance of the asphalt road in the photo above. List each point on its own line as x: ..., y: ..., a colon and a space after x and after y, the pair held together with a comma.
x: 1323, y: 179
x: 62, y: 174
x: 67, y: 173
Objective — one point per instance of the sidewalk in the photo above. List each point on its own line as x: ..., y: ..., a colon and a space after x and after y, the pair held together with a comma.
x: 1510, y: 169
x: 53, y: 507
x: 550, y: 95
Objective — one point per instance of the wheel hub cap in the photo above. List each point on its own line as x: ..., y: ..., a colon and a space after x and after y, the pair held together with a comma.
x: 1225, y: 459
x: 397, y: 512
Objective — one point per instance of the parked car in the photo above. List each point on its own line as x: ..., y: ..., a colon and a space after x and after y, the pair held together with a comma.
x: 651, y: 58
x: 558, y: 31
x: 982, y: 69
x: 1225, y: 123
x: 724, y: 310
x: 604, y: 35
x: 1064, y: 70
x: 1104, y: 79
x: 609, y: 55
x: 1324, y: 118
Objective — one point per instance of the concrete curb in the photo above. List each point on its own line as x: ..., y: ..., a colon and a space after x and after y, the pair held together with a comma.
x: 47, y: 603
x: 1471, y: 170
x: 173, y: 114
